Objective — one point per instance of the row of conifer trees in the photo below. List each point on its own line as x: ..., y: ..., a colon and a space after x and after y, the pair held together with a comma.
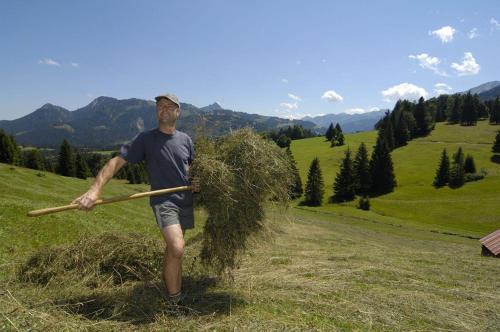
x: 360, y: 175
x: 408, y: 120
x: 69, y: 161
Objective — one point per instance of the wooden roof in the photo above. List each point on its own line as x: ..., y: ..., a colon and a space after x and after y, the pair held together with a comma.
x: 492, y: 242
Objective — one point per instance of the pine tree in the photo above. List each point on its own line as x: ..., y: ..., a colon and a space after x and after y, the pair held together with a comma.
x: 457, y: 173
x: 139, y: 175
x: 423, y: 118
x: 329, y: 132
x: 338, y: 129
x: 381, y: 169
x: 296, y: 187
x: 343, y: 188
x: 66, y: 163
x: 34, y: 160
x: 283, y: 141
x: 144, y: 172
x: 9, y: 151
x: 496, y: 145
x: 443, y: 171
x: 454, y: 113
x: 481, y: 108
x: 49, y: 165
x: 386, y: 132
x: 82, y: 168
x: 401, y: 131
x: 131, y: 176
x: 495, y: 111
x: 340, y: 138
x: 6, y: 149
x: 442, y: 103
x: 314, y: 187
x: 468, y: 117
x: 362, y: 180
x: 469, y: 165
x: 337, y: 136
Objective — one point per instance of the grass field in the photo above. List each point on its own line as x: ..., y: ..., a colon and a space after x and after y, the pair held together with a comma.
x: 471, y: 210
x: 328, y: 268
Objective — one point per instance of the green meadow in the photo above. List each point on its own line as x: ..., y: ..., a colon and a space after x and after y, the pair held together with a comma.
x: 410, y: 263
x: 471, y: 210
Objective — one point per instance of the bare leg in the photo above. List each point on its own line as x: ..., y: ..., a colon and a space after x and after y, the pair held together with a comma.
x: 172, y: 260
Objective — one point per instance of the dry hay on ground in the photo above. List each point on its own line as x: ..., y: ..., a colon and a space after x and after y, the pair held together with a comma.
x: 238, y: 173
x: 96, y: 260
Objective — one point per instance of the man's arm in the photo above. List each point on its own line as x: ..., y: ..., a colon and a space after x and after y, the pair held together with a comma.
x: 88, y: 199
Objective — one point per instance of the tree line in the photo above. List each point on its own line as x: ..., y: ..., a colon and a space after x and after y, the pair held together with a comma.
x: 284, y: 136
x: 69, y: 161
x: 408, y: 120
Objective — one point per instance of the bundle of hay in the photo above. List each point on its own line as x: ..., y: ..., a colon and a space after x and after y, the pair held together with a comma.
x: 97, y: 260
x: 238, y: 174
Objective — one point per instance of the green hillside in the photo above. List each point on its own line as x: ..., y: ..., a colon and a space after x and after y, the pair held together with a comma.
x: 328, y: 268
x: 24, y: 189
x: 471, y: 210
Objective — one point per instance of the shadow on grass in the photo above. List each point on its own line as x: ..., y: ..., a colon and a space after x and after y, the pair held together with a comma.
x: 143, y: 302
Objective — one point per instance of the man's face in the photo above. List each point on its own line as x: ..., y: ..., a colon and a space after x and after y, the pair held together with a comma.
x: 167, y: 111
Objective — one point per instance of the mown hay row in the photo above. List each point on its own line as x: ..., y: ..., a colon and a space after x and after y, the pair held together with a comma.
x: 106, y: 258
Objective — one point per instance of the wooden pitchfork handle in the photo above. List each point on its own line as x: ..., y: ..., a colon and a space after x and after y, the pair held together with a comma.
x: 42, y: 212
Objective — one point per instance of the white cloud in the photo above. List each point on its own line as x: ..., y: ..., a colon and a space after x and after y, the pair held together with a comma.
x: 428, y: 62
x: 294, y: 97
x: 445, y: 33
x: 355, y: 111
x: 290, y: 106
x: 442, y: 88
x: 469, y: 66
x: 49, y: 62
x: 284, y: 80
x: 332, y: 96
x: 404, y: 91
x: 297, y: 116
x: 473, y: 34
x: 374, y: 109
x: 495, y: 24
x: 74, y: 64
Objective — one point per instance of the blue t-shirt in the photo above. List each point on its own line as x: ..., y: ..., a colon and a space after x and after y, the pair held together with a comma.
x: 167, y: 157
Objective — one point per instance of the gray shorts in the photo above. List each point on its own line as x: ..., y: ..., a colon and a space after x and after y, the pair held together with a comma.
x: 167, y: 215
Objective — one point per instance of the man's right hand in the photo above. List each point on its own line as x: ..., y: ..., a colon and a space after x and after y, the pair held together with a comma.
x: 87, y: 201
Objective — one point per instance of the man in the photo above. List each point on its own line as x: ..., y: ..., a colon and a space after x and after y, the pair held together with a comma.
x: 168, y: 153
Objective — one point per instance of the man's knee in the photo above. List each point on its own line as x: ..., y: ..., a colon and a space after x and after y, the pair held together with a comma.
x: 175, y: 249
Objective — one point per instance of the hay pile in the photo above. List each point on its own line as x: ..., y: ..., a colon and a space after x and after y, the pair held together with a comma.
x: 238, y: 174
x: 96, y: 261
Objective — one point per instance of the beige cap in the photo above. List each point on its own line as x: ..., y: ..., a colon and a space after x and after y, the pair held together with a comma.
x: 170, y: 97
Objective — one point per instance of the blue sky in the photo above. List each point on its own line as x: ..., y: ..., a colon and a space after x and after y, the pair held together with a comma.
x: 285, y: 58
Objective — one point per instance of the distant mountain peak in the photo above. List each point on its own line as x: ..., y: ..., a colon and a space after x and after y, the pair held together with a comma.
x: 101, y: 100
x: 212, y: 107
x: 483, y: 87
x: 47, y: 105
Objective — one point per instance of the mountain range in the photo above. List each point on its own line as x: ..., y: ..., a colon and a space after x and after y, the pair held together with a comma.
x: 108, y: 122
